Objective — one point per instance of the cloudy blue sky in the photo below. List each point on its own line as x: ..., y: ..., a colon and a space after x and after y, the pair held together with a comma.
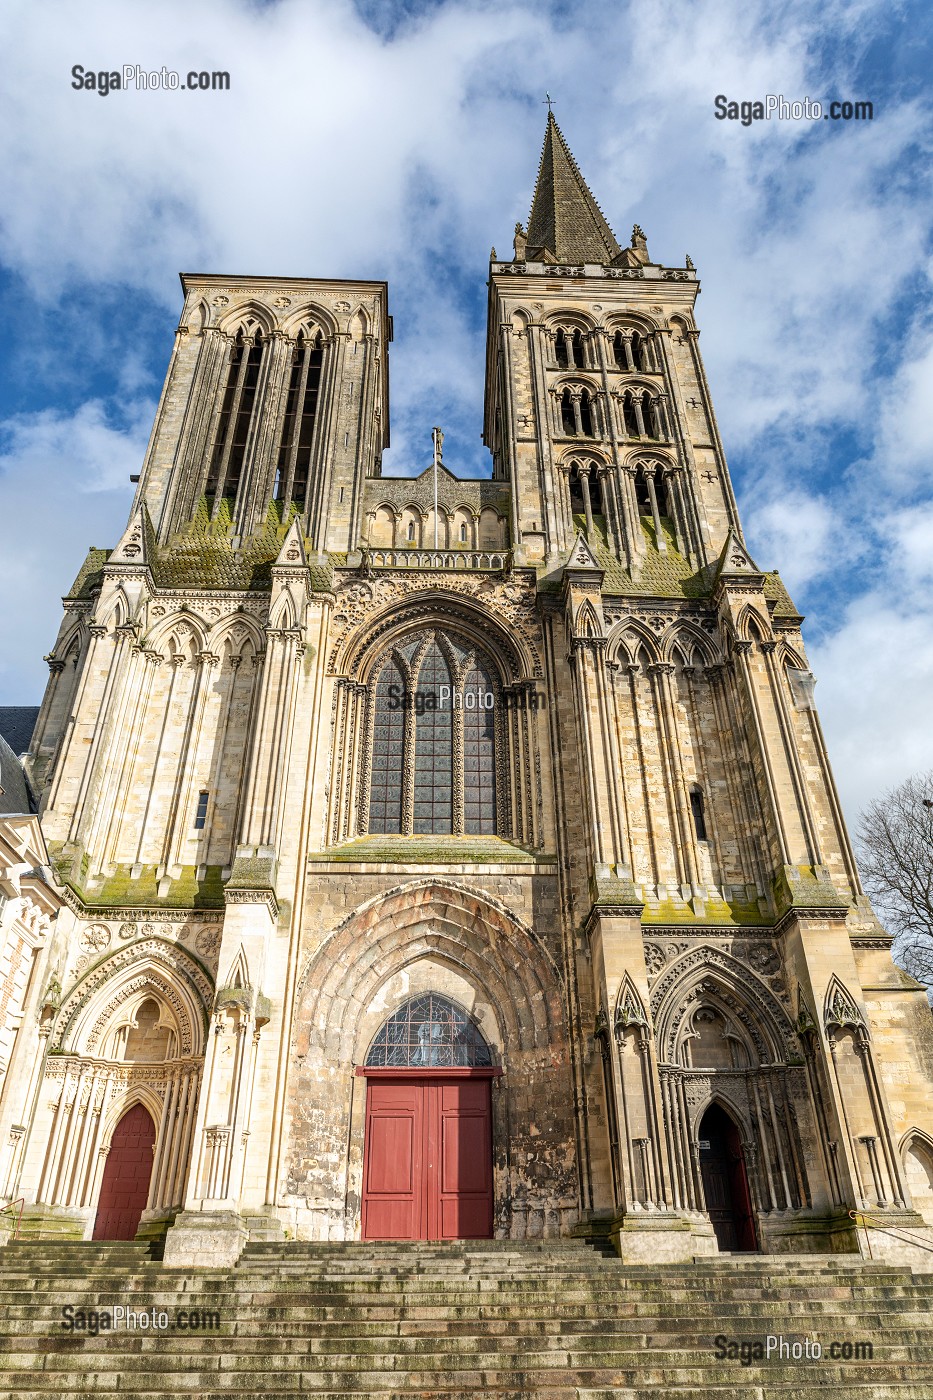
x: 399, y: 139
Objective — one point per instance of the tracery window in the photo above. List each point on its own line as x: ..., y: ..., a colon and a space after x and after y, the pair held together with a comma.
x: 569, y: 350
x: 576, y: 413
x: 434, y: 748
x: 438, y: 739
x: 429, y: 1032
x: 385, y: 801
x: 643, y: 415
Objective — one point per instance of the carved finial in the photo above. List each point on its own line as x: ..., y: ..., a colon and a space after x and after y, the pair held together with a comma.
x: 638, y: 235
x: 688, y: 261
x: 492, y: 253
x: 521, y: 241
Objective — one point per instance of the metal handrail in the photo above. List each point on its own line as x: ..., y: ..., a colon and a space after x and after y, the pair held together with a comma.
x: 21, y: 1202
x: 863, y: 1215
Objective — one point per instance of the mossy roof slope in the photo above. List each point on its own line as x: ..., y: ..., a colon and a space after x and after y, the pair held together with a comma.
x: 205, y: 555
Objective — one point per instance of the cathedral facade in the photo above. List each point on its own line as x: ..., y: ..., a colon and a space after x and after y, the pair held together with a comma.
x: 448, y: 858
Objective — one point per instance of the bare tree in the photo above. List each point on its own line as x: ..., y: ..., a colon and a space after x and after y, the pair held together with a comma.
x: 895, y: 837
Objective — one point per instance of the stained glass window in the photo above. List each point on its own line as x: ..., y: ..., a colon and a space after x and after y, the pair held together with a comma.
x: 429, y: 1032
x: 479, y: 753
x: 433, y: 809
x: 423, y: 738
x: 385, y: 790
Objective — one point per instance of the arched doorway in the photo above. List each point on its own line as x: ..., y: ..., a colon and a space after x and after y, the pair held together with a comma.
x: 125, y: 1187
x: 427, y: 1167
x: 918, y: 1169
x: 725, y: 1181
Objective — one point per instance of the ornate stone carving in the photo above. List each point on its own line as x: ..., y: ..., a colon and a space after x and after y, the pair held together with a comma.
x: 207, y: 941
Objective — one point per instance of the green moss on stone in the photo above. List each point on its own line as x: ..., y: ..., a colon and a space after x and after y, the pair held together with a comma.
x: 187, y: 892
x: 431, y: 850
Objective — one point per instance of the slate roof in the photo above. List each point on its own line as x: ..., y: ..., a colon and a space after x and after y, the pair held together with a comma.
x: 16, y: 725
x: 15, y: 797
x: 565, y: 220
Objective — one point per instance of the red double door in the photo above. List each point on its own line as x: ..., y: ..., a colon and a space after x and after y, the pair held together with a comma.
x: 427, y: 1169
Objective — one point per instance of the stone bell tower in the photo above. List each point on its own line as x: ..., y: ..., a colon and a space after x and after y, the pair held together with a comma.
x: 596, y: 399
x: 737, y: 982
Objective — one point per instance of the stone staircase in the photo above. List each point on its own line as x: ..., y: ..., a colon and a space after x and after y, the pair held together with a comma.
x: 553, y: 1320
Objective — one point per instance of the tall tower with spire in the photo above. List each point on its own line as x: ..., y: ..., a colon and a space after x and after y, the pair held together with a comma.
x: 446, y: 858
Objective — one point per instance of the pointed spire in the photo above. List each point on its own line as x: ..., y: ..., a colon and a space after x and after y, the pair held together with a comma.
x: 566, y: 224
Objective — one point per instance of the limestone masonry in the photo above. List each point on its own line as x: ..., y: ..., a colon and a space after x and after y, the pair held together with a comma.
x: 437, y: 879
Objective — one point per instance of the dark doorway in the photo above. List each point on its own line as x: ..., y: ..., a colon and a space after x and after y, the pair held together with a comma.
x: 725, y: 1181
x: 125, y: 1187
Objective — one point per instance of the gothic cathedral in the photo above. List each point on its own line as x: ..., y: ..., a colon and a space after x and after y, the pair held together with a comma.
x: 449, y: 858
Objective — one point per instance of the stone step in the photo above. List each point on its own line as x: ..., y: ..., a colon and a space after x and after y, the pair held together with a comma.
x: 478, y: 1382
x: 71, y: 1354
x: 426, y: 1337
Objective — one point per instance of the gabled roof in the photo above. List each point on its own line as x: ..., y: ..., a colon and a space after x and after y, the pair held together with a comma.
x: 566, y: 224
x: 15, y: 797
x: 16, y: 725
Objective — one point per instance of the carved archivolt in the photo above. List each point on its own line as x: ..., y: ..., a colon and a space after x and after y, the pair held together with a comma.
x: 174, y: 977
x: 451, y: 924
x: 467, y: 605
x: 708, y: 974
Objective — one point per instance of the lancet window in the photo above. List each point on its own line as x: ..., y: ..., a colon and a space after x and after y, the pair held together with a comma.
x: 643, y: 415
x: 632, y: 351
x: 583, y: 482
x: 577, y: 414
x: 569, y: 349
x: 438, y: 741
x: 294, y: 460
x: 651, y: 489
x: 236, y: 416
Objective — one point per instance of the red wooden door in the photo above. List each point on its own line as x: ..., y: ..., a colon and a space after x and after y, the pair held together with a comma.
x: 427, y: 1172
x: 125, y: 1187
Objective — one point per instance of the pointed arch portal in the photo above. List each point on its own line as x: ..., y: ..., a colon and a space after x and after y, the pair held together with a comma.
x: 125, y: 1187
x: 725, y: 1180
x: 427, y: 1170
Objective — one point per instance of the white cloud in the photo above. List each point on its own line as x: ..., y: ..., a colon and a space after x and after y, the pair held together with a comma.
x: 796, y: 533
x: 64, y: 485
x: 904, y: 449
x: 337, y: 153
x: 875, y: 694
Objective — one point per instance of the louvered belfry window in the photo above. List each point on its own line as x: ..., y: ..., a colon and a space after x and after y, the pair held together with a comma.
x: 434, y: 741
x: 236, y: 416
x: 294, y: 462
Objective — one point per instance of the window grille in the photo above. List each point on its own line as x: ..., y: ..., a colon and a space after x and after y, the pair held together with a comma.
x: 434, y: 749
x: 429, y: 1032
x: 385, y: 801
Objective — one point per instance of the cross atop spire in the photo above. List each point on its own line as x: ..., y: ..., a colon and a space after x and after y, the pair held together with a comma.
x: 566, y: 224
